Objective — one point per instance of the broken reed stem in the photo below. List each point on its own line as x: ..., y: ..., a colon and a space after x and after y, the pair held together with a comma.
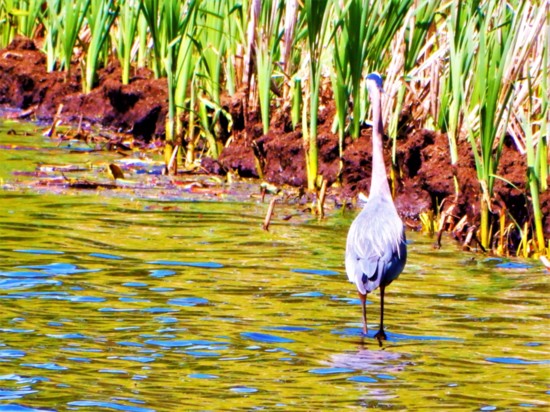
x: 172, y: 160
x: 322, y: 197
x: 469, y: 236
x: 51, y: 131
x: 263, y: 191
x: 269, y: 214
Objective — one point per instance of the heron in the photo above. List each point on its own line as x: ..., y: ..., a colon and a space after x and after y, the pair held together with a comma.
x: 376, y: 249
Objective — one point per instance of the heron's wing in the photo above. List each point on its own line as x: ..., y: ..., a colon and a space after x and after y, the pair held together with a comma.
x: 375, y: 250
x: 366, y: 266
x: 363, y: 258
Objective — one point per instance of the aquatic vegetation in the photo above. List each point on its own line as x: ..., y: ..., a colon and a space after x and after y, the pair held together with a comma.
x: 476, y: 70
x: 490, y: 96
x: 316, y: 13
x: 125, y: 35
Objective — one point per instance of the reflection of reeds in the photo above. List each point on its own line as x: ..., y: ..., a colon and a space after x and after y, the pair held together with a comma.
x: 475, y: 69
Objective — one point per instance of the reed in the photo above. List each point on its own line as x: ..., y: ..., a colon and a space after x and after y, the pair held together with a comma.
x: 534, y: 124
x: 18, y: 17
x: 27, y: 14
x: 101, y: 17
x: 474, y: 69
x: 296, y: 108
x: 126, y: 35
x: 72, y: 20
x: 6, y: 27
x: 179, y: 18
x: 152, y: 13
x: 211, y: 44
x: 234, y: 32
x: 358, y: 34
x: 462, y: 27
x: 416, y: 26
x: 52, y: 23
x: 316, y: 13
x: 491, y: 95
x: 340, y: 76
x: 267, y: 41
x: 186, y: 60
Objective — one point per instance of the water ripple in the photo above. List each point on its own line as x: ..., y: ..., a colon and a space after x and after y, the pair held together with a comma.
x: 13, y: 407
x: 15, y: 394
x: 206, y: 265
x: 26, y: 283
x: 264, y: 337
x: 518, y: 361
x: 11, y: 353
x: 393, y: 337
x: 110, y: 405
x: 175, y: 343
x: 191, y: 301
x: 106, y: 256
x: 321, y: 272
x: 40, y: 251
x: 48, y: 366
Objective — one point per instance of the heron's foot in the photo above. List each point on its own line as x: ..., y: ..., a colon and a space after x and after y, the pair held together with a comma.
x: 381, y: 335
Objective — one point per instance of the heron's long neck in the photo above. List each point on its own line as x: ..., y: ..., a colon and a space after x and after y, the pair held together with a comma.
x: 379, y: 180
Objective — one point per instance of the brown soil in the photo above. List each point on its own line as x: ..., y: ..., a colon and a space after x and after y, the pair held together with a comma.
x: 138, y: 108
x: 425, y: 176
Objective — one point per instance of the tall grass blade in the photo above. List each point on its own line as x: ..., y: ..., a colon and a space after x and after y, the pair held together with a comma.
x: 100, y: 19
x: 127, y: 25
x: 491, y: 94
x: 316, y: 14
x: 267, y: 40
x: 72, y: 20
x: 462, y: 27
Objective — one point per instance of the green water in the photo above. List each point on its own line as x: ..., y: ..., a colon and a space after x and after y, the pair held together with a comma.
x: 116, y: 300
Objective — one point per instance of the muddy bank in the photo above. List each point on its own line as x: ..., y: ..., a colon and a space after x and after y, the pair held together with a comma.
x: 138, y: 108
x: 424, y: 175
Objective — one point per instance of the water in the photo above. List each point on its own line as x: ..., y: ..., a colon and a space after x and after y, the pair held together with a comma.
x: 120, y: 301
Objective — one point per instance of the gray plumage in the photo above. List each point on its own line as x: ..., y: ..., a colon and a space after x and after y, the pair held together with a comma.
x: 376, y: 249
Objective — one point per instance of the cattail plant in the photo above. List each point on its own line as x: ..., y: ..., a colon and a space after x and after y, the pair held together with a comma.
x: 461, y: 26
x: 100, y: 18
x: 266, y: 41
x: 18, y: 17
x: 52, y: 24
x: 417, y: 24
x: 126, y: 35
x: 318, y: 30
x: 74, y: 13
x: 491, y: 95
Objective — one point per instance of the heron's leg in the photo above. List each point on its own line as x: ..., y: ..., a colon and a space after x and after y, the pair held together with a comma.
x: 363, y: 299
x: 381, y: 335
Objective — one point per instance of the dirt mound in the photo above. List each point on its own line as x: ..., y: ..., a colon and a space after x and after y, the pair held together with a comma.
x: 138, y: 108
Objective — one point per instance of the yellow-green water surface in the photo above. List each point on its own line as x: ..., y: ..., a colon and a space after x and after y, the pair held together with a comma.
x: 129, y: 303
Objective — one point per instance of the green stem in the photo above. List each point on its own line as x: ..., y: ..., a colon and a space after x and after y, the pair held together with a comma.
x: 534, y: 189
x: 484, y: 229
x: 313, y: 168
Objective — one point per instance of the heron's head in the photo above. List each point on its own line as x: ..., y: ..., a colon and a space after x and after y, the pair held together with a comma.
x: 374, y: 82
